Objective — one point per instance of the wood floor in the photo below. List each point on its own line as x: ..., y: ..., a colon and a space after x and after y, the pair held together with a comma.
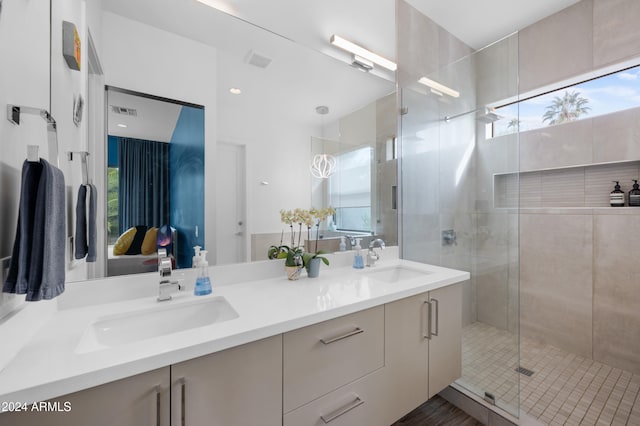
x: 437, y: 411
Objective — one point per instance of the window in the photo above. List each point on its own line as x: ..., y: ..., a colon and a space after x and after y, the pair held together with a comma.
x: 350, y: 190
x: 112, y: 205
x: 603, y: 95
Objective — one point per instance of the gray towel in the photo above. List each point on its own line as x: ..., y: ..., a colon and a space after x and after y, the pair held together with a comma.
x: 81, y: 224
x: 85, y: 239
x: 18, y: 277
x: 47, y: 267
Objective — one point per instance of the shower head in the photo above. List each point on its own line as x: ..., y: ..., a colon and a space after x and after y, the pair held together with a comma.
x: 489, y: 116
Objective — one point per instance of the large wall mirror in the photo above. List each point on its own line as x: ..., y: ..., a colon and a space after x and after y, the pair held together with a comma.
x: 256, y: 81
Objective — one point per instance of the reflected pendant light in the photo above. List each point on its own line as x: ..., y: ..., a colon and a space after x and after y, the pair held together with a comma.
x: 323, y: 165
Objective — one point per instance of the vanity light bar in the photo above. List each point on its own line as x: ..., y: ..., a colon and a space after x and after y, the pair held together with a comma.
x: 439, y: 87
x: 362, y: 52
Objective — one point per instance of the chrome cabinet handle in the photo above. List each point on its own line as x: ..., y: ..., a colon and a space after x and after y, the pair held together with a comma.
x: 436, y: 303
x: 183, y: 389
x: 158, y: 398
x: 427, y: 335
x: 357, y: 330
x: 342, y: 410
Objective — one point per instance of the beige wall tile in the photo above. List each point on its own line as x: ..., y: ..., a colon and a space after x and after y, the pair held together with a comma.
x: 615, y: 31
x: 492, y: 296
x: 563, y: 188
x: 530, y: 189
x: 497, y: 71
x: 616, y: 303
x: 556, y: 280
x: 568, y: 144
x: 557, y: 47
x: 417, y: 44
x: 616, y: 136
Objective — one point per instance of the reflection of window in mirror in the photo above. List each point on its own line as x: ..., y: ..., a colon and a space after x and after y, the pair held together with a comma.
x: 350, y: 190
x: 112, y: 205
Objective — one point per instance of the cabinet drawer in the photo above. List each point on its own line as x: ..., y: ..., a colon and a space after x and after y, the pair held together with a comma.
x: 356, y: 404
x: 325, y: 356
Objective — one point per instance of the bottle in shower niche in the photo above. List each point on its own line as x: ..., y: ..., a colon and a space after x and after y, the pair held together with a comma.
x: 617, y: 196
x: 634, y: 195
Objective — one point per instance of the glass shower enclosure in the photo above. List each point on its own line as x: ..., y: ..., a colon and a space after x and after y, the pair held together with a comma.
x: 460, y: 195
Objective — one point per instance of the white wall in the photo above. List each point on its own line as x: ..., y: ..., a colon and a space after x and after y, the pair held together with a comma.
x: 24, y: 80
x: 145, y: 59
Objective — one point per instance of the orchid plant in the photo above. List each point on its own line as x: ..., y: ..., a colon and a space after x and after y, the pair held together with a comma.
x: 318, y: 215
x: 294, y: 253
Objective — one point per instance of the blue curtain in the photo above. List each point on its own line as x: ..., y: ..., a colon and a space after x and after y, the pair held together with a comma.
x: 143, y: 188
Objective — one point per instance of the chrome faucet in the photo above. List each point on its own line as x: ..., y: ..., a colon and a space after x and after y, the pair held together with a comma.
x: 167, y: 287
x: 372, y: 256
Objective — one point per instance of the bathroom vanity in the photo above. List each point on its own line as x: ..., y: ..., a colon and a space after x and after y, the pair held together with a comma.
x: 352, y: 347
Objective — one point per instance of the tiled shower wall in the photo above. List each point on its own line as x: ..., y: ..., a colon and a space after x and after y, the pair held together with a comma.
x: 579, y: 282
x: 579, y: 273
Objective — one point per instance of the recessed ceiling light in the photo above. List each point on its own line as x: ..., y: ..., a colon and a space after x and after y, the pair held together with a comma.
x: 124, y: 126
x: 235, y: 90
x: 362, y: 52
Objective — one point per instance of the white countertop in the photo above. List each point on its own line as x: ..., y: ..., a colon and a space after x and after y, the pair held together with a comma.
x: 48, y: 364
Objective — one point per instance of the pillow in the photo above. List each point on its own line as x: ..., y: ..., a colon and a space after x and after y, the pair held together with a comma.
x: 124, y: 242
x: 149, y: 243
x: 138, y: 238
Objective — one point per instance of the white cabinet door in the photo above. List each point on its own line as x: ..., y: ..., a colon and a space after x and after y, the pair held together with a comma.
x: 135, y: 401
x: 406, y: 355
x: 445, y: 346
x: 240, y: 386
x: 422, y: 355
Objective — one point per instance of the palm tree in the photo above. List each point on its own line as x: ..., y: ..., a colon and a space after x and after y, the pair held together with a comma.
x: 513, y: 125
x: 566, y: 108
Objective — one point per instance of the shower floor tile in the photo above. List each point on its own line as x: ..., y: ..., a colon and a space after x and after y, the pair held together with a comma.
x: 565, y: 388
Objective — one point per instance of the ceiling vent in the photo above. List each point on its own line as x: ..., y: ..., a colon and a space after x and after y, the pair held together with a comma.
x: 124, y: 111
x: 258, y: 60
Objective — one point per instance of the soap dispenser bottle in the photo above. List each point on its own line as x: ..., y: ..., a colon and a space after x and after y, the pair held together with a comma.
x: 358, y: 262
x: 203, y: 283
x: 634, y: 195
x: 343, y: 243
x: 617, y: 196
x: 196, y: 257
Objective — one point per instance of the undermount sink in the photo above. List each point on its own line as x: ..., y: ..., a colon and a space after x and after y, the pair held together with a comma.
x: 394, y: 274
x: 121, y: 329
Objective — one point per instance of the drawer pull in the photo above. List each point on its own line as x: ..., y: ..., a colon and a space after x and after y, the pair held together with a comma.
x: 343, y: 410
x: 358, y: 330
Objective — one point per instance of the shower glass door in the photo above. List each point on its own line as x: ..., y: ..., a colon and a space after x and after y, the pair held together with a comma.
x: 460, y: 195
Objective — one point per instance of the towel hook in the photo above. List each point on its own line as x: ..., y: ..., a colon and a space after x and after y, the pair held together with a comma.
x: 13, y: 115
x: 83, y: 159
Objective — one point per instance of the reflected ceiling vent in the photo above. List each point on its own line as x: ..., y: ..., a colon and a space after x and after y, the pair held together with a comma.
x: 124, y: 111
x: 258, y: 60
